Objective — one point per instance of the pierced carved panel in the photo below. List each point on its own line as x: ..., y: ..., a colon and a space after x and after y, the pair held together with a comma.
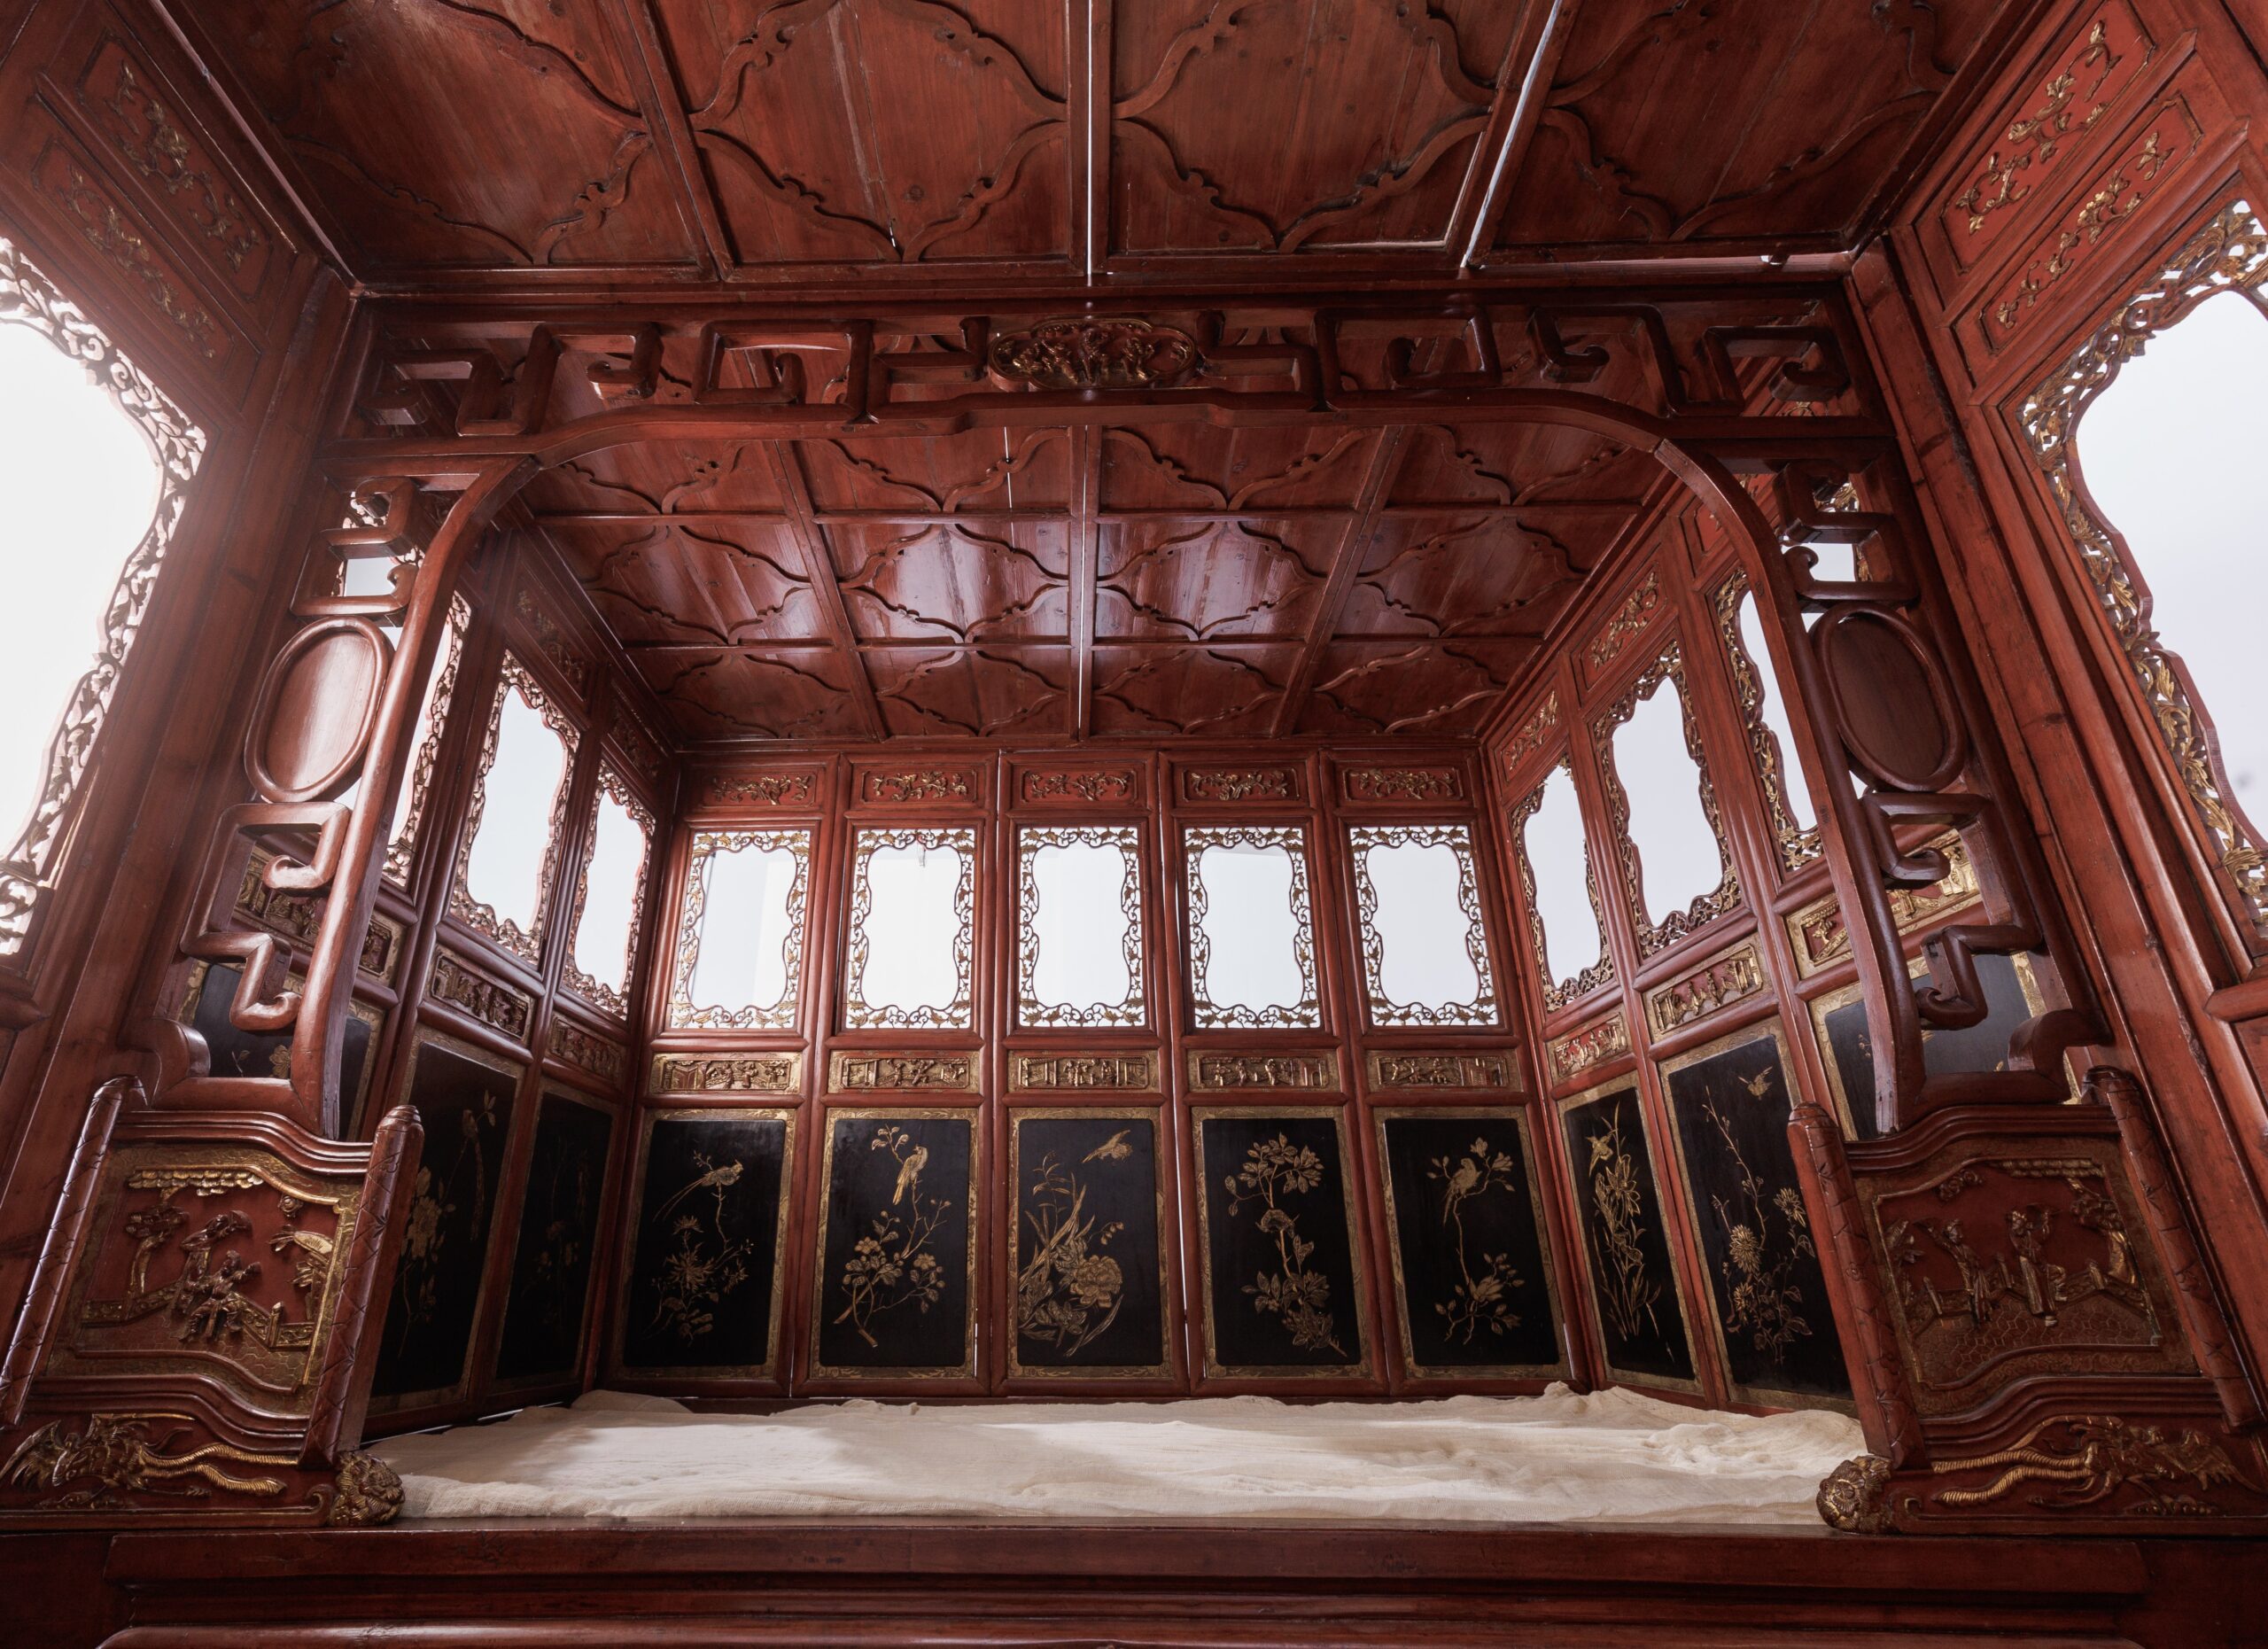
x: 1653, y: 936
x: 1383, y: 1009
x: 30, y: 866
x: 1133, y: 1007
x: 1291, y: 840
x: 1776, y: 771
x: 726, y: 1073
x: 526, y: 944
x: 597, y: 993
x: 857, y: 1012
x: 1558, y: 992
x: 701, y: 857
x: 2229, y: 253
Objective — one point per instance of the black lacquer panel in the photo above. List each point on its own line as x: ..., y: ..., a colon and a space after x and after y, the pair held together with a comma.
x: 1728, y: 1103
x: 1471, y: 1268
x: 1635, y: 1292
x: 1841, y: 1021
x: 1089, y: 1299
x: 237, y: 1053
x: 558, y: 1231
x: 702, y: 1295
x: 896, y: 1291
x: 1283, y: 1292
x: 465, y: 1103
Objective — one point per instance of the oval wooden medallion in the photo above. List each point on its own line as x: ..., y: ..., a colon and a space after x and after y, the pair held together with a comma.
x: 316, y: 709
x: 1896, y: 712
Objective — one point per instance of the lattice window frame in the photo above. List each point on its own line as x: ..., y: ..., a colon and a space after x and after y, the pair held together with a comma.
x: 611, y: 786
x: 1482, y: 1012
x: 1558, y: 992
x: 960, y: 1013
x: 502, y: 931
x: 1306, y: 1014
x: 701, y: 852
x: 34, y: 862
x: 1031, y: 1013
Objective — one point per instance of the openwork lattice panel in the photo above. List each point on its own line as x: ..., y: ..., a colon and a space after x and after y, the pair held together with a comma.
x: 912, y: 930
x: 1093, y: 875
x: 1251, y: 928
x: 748, y: 974
x: 1424, y: 945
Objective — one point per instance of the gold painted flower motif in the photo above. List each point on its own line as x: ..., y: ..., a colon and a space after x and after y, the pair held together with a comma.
x: 1482, y: 1294
x: 1276, y: 1169
x: 893, y: 1266
x: 1068, y: 1291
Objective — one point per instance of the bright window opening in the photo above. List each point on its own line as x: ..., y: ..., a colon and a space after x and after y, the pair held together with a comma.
x: 2170, y: 453
x: 1679, y: 860
x: 1559, y: 861
x: 1251, y: 937
x: 520, y: 801
x: 91, y: 460
x: 1079, y: 945
x: 614, y: 880
x: 911, y: 929
x: 1425, y: 950
x: 741, y: 944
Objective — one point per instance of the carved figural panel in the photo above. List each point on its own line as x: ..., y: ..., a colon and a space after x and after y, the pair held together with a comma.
x: 740, y: 930
x: 239, y: 1053
x: 1090, y: 1281
x: 465, y: 1098
x: 1636, y: 1296
x: 1839, y: 1020
x: 221, y: 1262
x: 912, y: 930
x: 895, y: 1295
x: 1283, y: 1289
x: 1728, y: 1111
x: 1424, y: 945
x: 1471, y: 1262
x: 702, y: 1293
x: 1251, y: 928
x: 2010, y: 1255
x: 560, y: 1211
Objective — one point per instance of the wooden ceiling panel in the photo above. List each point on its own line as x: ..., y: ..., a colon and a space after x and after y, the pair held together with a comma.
x: 1686, y: 123
x: 1275, y: 127
x: 979, y: 692
x: 1197, y: 466
x: 1507, y: 464
x: 431, y: 134
x: 743, y: 693
x: 1462, y: 575
x: 1373, y: 689
x: 953, y: 584
x: 1172, y: 578
x: 715, y: 583
x: 1151, y: 692
x: 879, y: 131
x: 975, y: 470
x: 659, y: 478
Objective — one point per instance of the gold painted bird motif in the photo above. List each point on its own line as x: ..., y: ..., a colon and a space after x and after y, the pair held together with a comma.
x: 1113, y: 1149
x: 1757, y: 1084
x: 909, y: 1173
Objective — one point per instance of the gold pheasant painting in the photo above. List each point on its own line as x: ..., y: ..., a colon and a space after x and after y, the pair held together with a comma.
x: 701, y: 1279
x: 894, y: 1283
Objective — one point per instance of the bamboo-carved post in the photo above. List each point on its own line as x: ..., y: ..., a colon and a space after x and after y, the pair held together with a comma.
x: 335, y: 712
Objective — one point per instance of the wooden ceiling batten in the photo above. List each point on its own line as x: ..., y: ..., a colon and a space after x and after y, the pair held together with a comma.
x: 818, y: 567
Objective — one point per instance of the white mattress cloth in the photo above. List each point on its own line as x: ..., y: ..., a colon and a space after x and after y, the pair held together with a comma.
x: 1610, y: 1457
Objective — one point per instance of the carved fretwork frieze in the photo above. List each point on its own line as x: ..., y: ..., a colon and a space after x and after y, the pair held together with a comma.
x: 1239, y: 784
x: 297, y: 916
x: 1822, y: 937
x: 764, y: 790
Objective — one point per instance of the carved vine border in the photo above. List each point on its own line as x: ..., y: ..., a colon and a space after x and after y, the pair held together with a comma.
x: 482, y: 918
x: 1384, y: 1010
x: 684, y: 1012
x: 2228, y: 254
x: 1133, y: 1008
x: 1558, y: 992
x: 1654, y: 936
x: 28, y: 298
x: 401, y: 849
x: 1307, y: 1013
x: 957, y: 1015
x: 1799, y: 845
x: 593, y: 990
